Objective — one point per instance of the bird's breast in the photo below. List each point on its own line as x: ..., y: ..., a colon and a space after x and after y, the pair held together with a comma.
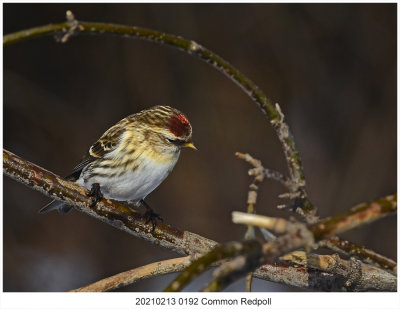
x: 133, y: 183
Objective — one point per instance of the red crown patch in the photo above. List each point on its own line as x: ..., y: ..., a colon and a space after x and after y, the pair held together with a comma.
x: 179, y: 125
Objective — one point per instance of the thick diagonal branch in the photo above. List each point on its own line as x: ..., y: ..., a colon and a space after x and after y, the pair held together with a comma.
x: 108, y: 211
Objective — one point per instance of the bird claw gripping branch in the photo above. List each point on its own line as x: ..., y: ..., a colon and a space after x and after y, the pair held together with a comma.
x: 150, y: 215
x: 95, y: 192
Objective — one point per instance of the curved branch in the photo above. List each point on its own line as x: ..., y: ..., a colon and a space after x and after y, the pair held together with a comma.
x: 275, y: 116
x: 144, y: 272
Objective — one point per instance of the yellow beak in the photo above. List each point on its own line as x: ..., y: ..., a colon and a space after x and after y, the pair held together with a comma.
x: 190, y: 145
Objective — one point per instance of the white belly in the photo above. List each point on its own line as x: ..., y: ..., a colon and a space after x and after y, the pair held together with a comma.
x: 133, y: 185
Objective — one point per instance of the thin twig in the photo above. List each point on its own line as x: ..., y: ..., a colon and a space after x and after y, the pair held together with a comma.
x: 249, y: 281
x: 134, y: 275
x: 252, y: 194
x: 297, y: 191
x: 260, y: 171
x: 268, y: 236
x: 277, y: 225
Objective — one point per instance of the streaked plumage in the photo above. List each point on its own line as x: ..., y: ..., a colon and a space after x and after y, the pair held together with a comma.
x: 134, y: 156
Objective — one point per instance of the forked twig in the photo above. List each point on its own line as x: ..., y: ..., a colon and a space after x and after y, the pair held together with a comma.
x: 297, y: 192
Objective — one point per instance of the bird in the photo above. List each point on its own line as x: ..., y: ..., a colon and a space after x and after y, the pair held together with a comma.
x: 132, y: 158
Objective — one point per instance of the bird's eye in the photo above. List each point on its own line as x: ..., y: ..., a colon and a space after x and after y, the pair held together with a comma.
x: 177, y: 142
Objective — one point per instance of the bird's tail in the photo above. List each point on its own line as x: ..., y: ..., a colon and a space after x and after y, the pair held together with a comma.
x: 60, y: 206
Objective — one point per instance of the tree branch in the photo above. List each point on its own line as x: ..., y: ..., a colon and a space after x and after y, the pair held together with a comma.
x: 357, y: 216
x: 300, y: 276
x: 359, y: 276
x: 134, y: 275
x: 108, y: 211
x: 367, y: 255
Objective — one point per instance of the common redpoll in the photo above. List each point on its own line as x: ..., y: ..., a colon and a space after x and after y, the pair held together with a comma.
x: 133, y: 157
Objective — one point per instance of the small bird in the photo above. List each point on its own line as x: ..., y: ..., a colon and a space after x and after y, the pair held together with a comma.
x: 132, y: 158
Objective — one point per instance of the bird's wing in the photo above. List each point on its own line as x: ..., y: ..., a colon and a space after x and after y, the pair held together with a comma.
x: 76, y: 172
x: 106, y: 143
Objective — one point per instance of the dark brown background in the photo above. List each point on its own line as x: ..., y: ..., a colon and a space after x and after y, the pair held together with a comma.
x: 332, y: 68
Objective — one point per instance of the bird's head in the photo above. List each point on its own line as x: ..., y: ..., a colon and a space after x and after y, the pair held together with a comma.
x: 168, y: 127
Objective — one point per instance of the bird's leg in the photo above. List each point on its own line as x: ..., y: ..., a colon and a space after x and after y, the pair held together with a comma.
x: 95, y: 192
x: 150, y: 215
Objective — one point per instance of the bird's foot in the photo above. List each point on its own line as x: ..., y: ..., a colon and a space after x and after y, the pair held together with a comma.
x: 95, y: 192
x: 151, y: 216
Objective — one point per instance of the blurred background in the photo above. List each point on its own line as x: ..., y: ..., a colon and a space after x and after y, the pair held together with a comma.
x: 331, y: 67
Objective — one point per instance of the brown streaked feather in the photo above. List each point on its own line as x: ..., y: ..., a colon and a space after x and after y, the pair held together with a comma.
x: 106, y: 143
x: 99, y: 149
x: 109, y: 140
